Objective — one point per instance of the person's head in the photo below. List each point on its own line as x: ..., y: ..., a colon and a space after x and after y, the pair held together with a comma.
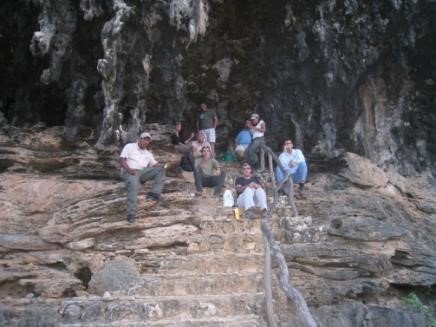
x: 203, y: 107
x: 206, y: 152
x: 254, y: 118
x: 178, y: 126
x: 248, y: 123
x: 246, y: 169
x: 201, y: 137
x: 144, y: 140
x: 288, y: 146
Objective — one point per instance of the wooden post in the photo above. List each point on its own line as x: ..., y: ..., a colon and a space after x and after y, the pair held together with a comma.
x: 272, y: 176
x: 267, y: 278
x: 262, y: 158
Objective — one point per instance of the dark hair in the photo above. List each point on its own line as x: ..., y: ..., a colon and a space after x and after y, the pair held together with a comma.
x: 205, y: 147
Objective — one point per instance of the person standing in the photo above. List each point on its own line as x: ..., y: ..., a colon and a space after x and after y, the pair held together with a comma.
x: 250, y: 192
x: 138, y: 166
x: 243, y: 140
x: 208, y: 173
x: 295, y: 164
x: 257, y: 129
x: 207, y: 121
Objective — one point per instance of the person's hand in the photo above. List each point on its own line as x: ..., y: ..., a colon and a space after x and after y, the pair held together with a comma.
x: 192, y: 135
x: 292, y: 163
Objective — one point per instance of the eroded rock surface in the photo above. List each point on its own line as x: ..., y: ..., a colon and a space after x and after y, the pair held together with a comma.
x: 364, y: 239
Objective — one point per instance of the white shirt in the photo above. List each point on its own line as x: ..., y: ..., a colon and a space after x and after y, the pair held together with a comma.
x: 296, y: 155
x: 257, y: 133
x: 137, y: 158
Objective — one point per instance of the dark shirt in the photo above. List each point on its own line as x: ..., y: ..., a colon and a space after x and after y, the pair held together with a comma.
x: 206, y: 119
x: 176, y: 139
x: 245, y: 181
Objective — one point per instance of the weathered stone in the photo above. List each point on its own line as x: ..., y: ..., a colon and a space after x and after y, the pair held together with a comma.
x: 116, y: 275
x: 364, y: 229
x: 363, y: 172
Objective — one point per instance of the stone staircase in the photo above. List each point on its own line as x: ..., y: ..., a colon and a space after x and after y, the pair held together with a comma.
x: 214, y: 278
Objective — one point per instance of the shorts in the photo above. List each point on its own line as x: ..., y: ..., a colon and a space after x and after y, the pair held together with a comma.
x: 210, y: 134
x: 241, y: 148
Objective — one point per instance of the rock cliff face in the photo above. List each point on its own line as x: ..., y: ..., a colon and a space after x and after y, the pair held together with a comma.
x: 364, y: 240
x: 334, y: 76
x: 352, y: 82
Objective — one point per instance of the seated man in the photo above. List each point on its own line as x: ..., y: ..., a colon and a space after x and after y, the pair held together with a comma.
x: 207, y: 173
x: 138, y: 166
x: 294, y: 162
x: 243, y: 140
x: 180, y: 144
x: 257, y: 129
x: 250, y: 192
x: 187, y: 162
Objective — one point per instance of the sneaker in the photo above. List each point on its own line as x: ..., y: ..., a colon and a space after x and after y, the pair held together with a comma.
x: 264, y: 213
x: 300, y: 196
x: 130, y: 218
x: 154, y: 196
x: 249, y: 213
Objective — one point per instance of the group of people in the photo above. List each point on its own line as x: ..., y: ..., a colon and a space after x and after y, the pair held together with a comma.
x: 139, y: 165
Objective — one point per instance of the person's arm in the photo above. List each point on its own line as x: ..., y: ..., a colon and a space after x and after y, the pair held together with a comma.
x: 216, y: 168
x: 261, y: 128
x: 153, y: 162
x: 256, y: 183
x: 215, y: 121
x: 300, y: 157
x: 239, y: 187
x: 190, y: 138
x: 284, y: 161
x: 123, y: 162
x: 238, y: 139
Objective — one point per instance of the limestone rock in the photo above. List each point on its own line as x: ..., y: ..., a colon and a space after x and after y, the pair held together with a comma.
x: 118, y: 275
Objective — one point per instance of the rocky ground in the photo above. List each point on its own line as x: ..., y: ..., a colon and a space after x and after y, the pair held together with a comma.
x: 363, y: 240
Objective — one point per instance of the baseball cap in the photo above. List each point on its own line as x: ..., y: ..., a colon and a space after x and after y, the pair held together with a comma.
x: 254, y: 116
x: 144, y: 135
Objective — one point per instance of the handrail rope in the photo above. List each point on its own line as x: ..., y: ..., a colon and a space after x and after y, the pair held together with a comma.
x: 271, y: 245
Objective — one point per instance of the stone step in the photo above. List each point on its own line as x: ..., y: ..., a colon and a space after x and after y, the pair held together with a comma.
x: 232, y: 242
x: 225, y: 223
x: 212, y: 284
x: 201, y: 263
x: 97, y: 310
x: 232, y: 321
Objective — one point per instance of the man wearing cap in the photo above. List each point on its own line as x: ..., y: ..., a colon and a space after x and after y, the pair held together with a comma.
x: 207, y: 121
x: 257, y: 129
x: 138, y: 166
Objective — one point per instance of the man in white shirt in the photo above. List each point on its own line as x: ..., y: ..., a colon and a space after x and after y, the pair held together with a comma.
x: 138, y: 166
x: 257, y: 130
x: 294, y: 162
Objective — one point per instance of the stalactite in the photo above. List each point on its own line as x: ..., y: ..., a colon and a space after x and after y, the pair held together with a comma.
x: 57, y: 22
x: 111, y: 70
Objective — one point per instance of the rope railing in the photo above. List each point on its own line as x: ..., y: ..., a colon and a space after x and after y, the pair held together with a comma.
x: 271, y: 247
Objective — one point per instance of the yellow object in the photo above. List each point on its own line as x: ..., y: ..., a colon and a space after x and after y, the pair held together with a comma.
x: 237, y: 213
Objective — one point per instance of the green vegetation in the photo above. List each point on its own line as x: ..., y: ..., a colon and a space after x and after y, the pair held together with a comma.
x: 414, y: 301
